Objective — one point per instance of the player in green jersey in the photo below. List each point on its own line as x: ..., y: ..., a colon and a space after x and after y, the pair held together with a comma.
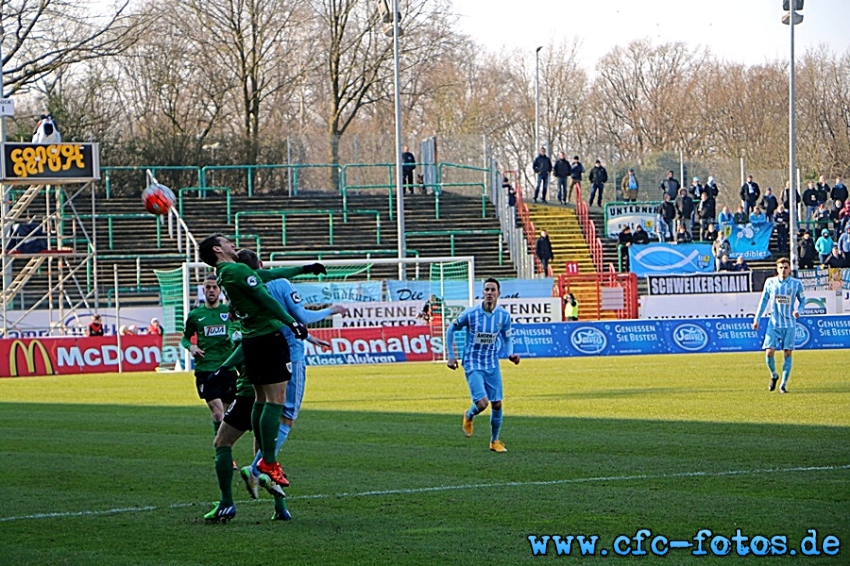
x: 210, y: 324
x: 265, y: 348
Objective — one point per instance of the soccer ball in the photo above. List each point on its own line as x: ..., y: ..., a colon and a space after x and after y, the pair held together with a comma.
x: 158, y: 199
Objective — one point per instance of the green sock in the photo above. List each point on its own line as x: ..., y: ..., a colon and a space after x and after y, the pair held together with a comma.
x: 216, y: 426
x: 256, y: 413
x: 279, y: 504
x: 269, y: 422
x: 224, y: 472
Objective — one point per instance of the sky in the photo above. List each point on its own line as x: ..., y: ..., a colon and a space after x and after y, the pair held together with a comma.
x: 743, y: 31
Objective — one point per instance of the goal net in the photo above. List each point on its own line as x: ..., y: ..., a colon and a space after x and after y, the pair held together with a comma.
x: 389, y: 319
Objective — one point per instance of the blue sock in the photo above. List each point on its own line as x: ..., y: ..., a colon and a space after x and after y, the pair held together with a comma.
x: 255, y: 462
x: 283, y: 433
x: 786, y: 370
x: 473, y: 410
x: 495, y: 424
x: 771, y: 364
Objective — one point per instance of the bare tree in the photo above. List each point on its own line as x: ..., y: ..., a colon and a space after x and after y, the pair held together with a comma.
x: 357, y: 60
x: 41, y: 36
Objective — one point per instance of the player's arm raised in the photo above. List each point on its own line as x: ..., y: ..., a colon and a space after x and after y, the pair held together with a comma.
x: 267, y: 275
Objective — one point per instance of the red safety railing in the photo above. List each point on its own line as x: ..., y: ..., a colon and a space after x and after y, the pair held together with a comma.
x: 602, y: 296
x: 527, y: 226
x: 589, y: 229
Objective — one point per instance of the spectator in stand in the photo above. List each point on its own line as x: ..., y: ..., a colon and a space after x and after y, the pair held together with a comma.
x: 786, y: 196
x: 741, y: 216
x: 834, y: 259
x: 769, y: 203
x: 844, y: 215
x: 696, y: 189
x: 724, y: 264
x: 821, y: 218
x: 721, y: 247
x: 781, y: 220
x: 758, y: 217
x: 667, y: 210
x: 750, y: 194
x: 155, y: 327
x: 823, y: 189
x: 543, y: 251
x: 711, y: 188
x: 740, y: 264
x: 844, y: 245
x: 725, y: 218
x: 705, y: 213
x: 810, y: 200
x: 624, y: 242
x: 710, y: 234
x: 598, y: 177
x: 571, y: 308
x: 839, y: 191
x: 542, y: 166
x: 683, y: 236
x: 685, y: 210
x: 824, y: 244
x: 630, y: 186
x: 575, y: 177
x: 834, y: 214
x: 408, y: 168
x: 806, y: 251
x: 95, y: 327
x: 129, y: 330
x: 670, y: 186
x: 562, y: 173
x: 640, y: 236
x: 506, y: 185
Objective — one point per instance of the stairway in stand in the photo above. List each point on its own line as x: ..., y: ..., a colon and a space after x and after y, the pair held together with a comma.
x: 565, y: 234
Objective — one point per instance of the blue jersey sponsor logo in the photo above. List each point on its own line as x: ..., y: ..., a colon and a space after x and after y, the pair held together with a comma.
x: 801, y: 336
x: 588, y: 340
x: 690, y: 337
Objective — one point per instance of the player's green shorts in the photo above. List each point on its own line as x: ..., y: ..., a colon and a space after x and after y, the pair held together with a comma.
x: 267, y: 358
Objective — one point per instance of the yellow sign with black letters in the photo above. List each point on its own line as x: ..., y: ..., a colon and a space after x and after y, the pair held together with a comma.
x: 50, y: 163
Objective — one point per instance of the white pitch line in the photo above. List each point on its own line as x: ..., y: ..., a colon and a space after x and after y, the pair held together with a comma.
x: 433, y: 489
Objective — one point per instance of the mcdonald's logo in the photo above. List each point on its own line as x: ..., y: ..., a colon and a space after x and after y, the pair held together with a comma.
x: 29, y: 357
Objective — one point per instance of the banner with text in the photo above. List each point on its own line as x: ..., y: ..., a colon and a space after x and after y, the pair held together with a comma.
x: 671, y: 259
x: 670, y: 337
x: 620, y: 215
x: 326, y: 293
x: 730, y: 305
x: 23, y: 324
x: 721, y: 282
x: 63, y: 356
x: 750, y: 240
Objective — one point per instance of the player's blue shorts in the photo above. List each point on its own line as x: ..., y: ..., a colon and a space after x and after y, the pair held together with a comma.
x: 295, y: 390
x: 779, y: 338
x: 485, y: 383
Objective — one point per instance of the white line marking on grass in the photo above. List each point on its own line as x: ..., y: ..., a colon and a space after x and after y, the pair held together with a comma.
x: 413, y: 490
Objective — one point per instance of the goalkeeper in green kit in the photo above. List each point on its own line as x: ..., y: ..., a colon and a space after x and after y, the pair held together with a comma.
x: 266, y: 351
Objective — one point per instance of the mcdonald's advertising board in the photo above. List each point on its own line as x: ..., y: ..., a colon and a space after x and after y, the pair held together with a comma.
x: 61, y: 356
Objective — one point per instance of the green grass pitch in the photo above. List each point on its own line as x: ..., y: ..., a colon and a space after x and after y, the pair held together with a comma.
x: 118, y: 469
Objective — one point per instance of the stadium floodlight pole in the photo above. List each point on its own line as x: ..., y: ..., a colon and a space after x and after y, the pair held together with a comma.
x: 537, y: 100
x: 399, y: 175
x: 791, y: 19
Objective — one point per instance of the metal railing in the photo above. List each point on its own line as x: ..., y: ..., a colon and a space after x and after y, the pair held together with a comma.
x: 283, y: 214
x: 108, y: 172
x: 251, y: 170
x: 203, y: 191
x: 453, y: 233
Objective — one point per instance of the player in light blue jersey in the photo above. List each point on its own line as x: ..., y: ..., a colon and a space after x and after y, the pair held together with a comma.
x: 283, y: 291
x: 784, y: 295
x: 488, y: 327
